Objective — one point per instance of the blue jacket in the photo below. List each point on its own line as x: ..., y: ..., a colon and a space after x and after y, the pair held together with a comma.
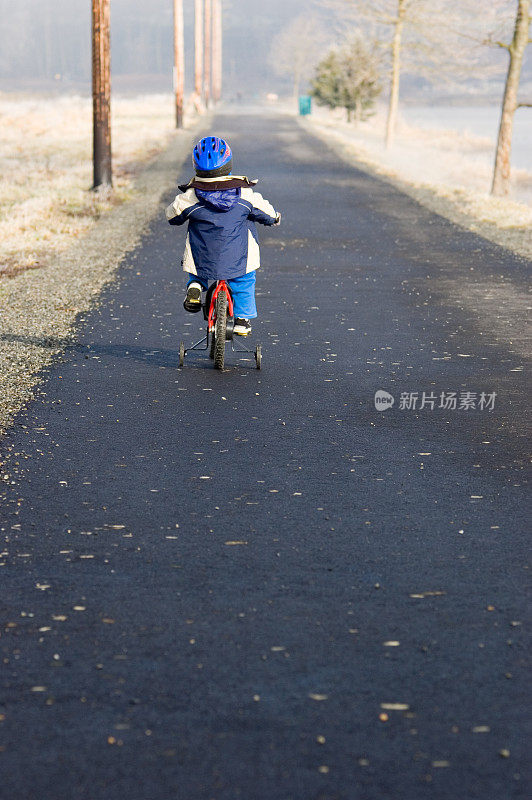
x: 222, y: 239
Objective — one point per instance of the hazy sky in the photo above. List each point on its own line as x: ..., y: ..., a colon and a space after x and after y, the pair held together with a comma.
x: 40, y: 39
x: 53, y: 36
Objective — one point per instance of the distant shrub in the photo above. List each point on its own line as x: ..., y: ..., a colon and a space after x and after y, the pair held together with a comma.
x: 349, y: 77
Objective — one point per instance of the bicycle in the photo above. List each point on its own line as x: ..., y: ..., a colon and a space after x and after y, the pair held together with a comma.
x: 219, y: 315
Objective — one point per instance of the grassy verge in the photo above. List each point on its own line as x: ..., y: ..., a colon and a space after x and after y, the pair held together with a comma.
x: 445, y: 171
x: 78, y: 241
x: 46, y: 169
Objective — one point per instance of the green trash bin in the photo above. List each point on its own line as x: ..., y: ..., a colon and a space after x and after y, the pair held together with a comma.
x: 305, y: 105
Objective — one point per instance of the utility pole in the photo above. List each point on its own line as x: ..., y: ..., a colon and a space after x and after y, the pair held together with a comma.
x: 101, y: 94
x: 198, y: 50
x: 207, y: 62
x: 179, y: 62
x: 217, y: 51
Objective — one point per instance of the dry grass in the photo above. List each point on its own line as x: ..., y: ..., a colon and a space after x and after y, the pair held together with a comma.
x: 46, y: 169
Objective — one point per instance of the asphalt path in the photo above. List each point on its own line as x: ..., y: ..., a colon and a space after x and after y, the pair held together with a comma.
x: 253, y: 584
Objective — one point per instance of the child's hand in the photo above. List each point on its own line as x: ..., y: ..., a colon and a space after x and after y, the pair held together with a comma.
x: 277, y: 220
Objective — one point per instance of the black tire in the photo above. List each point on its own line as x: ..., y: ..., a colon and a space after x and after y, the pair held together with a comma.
x: 181, y: 354
x: 258, y: 356
x: 220, y: 329
x: 211, y: 348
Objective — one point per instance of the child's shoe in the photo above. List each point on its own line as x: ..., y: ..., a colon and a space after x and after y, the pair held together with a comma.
x: 192, y: 301
x: 242, y: 326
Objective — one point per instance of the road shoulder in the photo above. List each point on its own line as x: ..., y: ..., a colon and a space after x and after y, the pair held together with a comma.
x: 40, y: 308
x: 487, y: 216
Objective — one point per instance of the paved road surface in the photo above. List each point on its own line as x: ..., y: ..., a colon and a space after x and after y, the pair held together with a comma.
x: 212, y: 583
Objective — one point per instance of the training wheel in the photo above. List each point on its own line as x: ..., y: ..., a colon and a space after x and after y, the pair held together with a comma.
x: 258, y: 356
x: 181, y: 354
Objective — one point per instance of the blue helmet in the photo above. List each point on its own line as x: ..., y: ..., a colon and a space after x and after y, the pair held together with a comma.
x: 212, y: 157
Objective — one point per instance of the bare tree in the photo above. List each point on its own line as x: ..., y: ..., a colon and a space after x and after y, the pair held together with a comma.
x: 516, y: 50
x: 297, y: 49
x: 439, y: 40
x: 478, y: 35
x: 398, y: 24
x: 386, y: 20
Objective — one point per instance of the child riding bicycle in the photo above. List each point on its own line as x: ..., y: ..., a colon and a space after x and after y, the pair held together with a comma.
x: 222, y: 243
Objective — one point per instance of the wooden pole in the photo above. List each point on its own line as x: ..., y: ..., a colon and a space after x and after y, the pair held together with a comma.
x: 198, y: 47
x: 101, y: 94
x: 217, y: 51
x: 207, y: 61
x: 179, y: 62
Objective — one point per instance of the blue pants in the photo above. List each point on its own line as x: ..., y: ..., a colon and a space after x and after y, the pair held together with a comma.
x: 243, y: 291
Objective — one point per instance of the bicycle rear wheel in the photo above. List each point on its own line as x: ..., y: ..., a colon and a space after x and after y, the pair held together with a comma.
x: 220, y: 330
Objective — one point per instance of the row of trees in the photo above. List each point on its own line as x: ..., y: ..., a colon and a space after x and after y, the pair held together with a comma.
x: 445, y: 42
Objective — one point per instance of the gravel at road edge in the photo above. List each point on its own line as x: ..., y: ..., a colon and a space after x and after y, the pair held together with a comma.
x: 39, y: 308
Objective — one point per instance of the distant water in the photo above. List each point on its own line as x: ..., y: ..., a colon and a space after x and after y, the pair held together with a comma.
x: 479, y: 121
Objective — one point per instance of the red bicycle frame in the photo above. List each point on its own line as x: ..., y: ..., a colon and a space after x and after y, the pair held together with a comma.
x: 221, y: 285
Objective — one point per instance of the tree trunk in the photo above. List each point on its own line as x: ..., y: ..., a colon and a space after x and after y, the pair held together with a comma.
x: 297, y: 84
x: 396, y: 72
x: 501, y: 173
x: 101, y: 94
x: 179, y: 62
x: 198, y: 48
